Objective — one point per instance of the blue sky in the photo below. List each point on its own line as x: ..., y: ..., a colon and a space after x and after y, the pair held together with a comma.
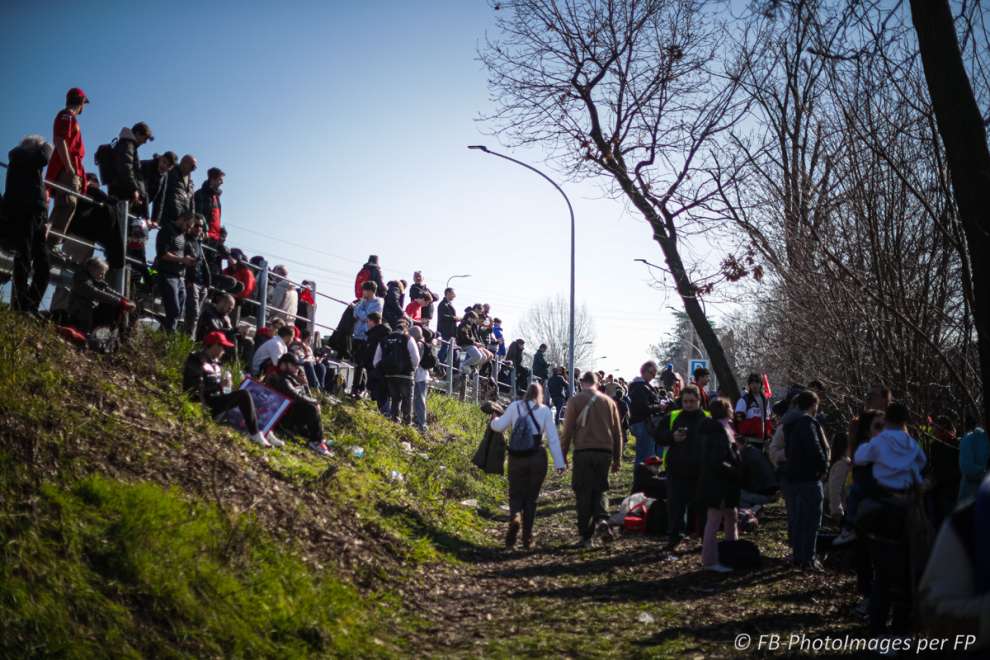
x: 342, y: 129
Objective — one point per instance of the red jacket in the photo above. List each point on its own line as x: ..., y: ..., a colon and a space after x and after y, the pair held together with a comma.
x: 414, y: 311
x: 244, y: 275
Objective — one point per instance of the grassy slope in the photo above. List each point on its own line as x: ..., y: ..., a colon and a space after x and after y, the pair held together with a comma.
x: 131, y: 524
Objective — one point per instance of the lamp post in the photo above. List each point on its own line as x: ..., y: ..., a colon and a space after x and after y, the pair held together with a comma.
x: 570, y: 341
x: 453, y: 277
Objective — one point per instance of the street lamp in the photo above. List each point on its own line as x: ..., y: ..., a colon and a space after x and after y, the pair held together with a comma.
x: 570, y: 341
x: 453, y: 277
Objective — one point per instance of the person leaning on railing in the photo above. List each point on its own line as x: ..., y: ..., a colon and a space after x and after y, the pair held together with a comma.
x: 92, y: 303
x: 25, y: 204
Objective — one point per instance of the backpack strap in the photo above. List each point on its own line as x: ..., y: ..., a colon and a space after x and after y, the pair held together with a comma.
x: 539, y: 431
x: 583, y: 417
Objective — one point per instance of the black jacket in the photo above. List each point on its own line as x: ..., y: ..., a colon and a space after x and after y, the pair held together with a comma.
x: 375, y: 337
x: 375, y: 275
x: 515, y: 354
x: 205, y: 200
x: 719, y: 481
x: 98, y: 224
x: 644, y: 401
x: 392, y: 311
x: 557, y: 387
x: 447, y: 319
x: 210, y: 319
x: 289, y: 386
x: 417, y: 291
x: 25, y: 191
x: 127, y: 177
x: 683, y: 458
x: 805, y: 447
x: 178, y: 197
x: 340, y: 340
x: 200, y: 273
x: 86, y: 295
x: 154, y: 187
x: 466, y: 335
x: 200, y: 385
x: 540, y: 367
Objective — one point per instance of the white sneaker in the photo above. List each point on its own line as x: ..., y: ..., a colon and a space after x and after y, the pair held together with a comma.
x: 275, y: 440
x: 718, y: 568
x: 846, y: 536
x: 259, y: 439
x: 320, y: 448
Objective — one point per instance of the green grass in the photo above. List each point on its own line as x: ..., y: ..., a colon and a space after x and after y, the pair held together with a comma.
x: 93, y: 564
x: 134, y: 570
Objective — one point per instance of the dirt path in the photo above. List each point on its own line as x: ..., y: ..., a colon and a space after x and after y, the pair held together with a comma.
x: 627, y: 599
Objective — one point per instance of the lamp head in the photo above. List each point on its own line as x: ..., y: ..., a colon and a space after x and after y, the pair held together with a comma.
x: 480, y: 147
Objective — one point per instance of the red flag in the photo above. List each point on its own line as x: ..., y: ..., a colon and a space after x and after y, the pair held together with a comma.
x: 767, y: 392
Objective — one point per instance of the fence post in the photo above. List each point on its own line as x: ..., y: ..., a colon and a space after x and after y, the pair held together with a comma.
x: 261, y: 316
x: 119, y: 275
x: 512, y: 382
x: 450, y: 367
x: 477, y: 386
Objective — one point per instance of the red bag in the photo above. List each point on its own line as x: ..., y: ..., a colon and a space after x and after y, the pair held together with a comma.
x: 635, y: 520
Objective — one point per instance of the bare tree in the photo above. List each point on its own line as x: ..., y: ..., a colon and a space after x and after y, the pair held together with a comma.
x: 548, y: 322
x: 637, y: 91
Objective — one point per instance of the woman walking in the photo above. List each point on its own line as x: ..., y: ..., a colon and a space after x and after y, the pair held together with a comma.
x: 719, y: 483
x: 528, y: 469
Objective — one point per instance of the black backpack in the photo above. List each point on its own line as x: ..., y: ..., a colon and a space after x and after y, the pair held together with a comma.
x: 104, y: 162
x: 427, y: 360
x: 739, y: 554
x: 395, y: 355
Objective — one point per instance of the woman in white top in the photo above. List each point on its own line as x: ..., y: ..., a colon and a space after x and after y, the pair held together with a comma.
x: 527, y: 470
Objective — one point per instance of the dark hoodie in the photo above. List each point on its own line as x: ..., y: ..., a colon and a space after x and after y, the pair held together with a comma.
x: 644, y: 401
x: 127, y: 177
x: 805, y: 447
x: 392, y: 312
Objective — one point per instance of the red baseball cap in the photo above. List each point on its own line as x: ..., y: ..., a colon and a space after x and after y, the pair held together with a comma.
x: 76, y: 95
x: 217, y: 337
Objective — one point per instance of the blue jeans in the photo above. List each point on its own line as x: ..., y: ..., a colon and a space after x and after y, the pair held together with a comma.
x: 807, y: 497
x: 173, y: 292
x: 646, y: 446
x: 419, y: 404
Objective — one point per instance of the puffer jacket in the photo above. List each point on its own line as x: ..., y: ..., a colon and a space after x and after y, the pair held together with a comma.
x: 207, y: 202
x: 154, y: 186
x: 392, y: 312
x: 127, y: 178
x: 178, y: 197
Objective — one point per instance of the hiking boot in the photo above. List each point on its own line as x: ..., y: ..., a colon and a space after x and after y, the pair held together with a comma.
x: 320, y: 448
x: 512, y: 532
x: 718, y: 568
x: 259, y: 439
x: 845, y: 537
x: 605, y: 532
x: 275, y: 440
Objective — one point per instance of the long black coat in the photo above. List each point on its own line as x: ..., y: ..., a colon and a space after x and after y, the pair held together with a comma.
x: 721, y: 468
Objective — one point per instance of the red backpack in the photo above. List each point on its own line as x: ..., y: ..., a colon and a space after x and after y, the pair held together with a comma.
x: 363, y: 276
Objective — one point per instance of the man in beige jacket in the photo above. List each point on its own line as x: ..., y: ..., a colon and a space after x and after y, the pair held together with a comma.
x: 592, y: 426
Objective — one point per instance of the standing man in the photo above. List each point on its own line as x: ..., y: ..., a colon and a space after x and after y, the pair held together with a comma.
x: 701, y: 378
x: 207, y: 202
x: 171, y: 261
x: 644, y: 405
x: 239, y: 269
x: 398, y: 357
x: 66, y: 165
x: 447, y: 321
x: 372, y: 272
x: 26, y: 206
x: 369, y: 304
x: 680, y: 433
x: 179, y: 193
x: 128, y: 182
x: 416, y: 292
x: 541, y: 369
x: 592, y: 426
x: 558, y: 390
x: 377, y: 332
x: 198, y: 277
x: 154, y: 174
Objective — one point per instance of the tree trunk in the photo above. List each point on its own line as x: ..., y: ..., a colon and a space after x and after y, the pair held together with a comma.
x: 963, y: 134
x: 685, y: 288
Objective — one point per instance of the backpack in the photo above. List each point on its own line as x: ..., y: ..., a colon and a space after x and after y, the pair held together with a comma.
x: 395, y: 355
x: 523, y: 441
x: 104, y: 162
x: 363, y: 276
x: 427, y: 360
x: 739, y: 554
